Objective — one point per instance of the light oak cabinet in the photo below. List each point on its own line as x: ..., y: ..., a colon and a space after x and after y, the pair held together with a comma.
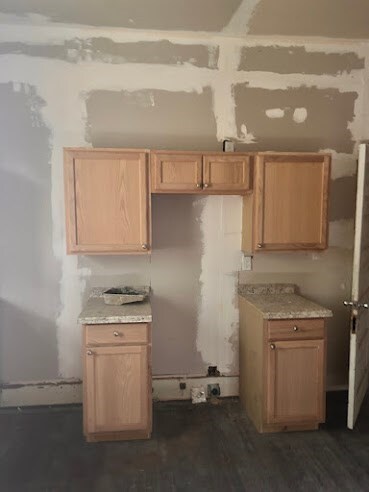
x: 282, y: 371
x: 288, y: 207
x: 295, y: 381
x: 191, y: 172
x: 117, y: 382
x: 107, y: 201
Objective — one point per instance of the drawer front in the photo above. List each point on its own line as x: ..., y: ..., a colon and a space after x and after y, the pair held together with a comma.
x: 295, y: 329
x: 117, y: 334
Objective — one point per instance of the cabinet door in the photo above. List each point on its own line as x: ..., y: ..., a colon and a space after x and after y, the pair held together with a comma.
x: 176, y: 173
x: 227, y: 173
x: 107, y: 201
x: 291, y: 197
x: 117, y: 388
x: 295, y: 381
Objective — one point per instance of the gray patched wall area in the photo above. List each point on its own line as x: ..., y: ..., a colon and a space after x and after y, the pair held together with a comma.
x: 29, y: 273
x: 309, y: 119
x: 328, y: 18
x: 152, y: 119
x: 191, y: 15
x: 296, y: 59
x: 175, y: 280
x: 107, y: 51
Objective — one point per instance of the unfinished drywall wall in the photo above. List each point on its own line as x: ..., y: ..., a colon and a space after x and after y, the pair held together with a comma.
x: 348, y: 19
x: 30, y: 274
x: 322, y: 18
x: 175, y: 273
x: 310, y: 118
x: 207, y: 15
x: 105, y: 50
x: 283, y: 59
x: 112, y: 87
x: 151, y: 119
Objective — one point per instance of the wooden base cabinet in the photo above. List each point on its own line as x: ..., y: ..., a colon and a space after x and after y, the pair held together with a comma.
x: 282, y: 371
x: 117, y: 382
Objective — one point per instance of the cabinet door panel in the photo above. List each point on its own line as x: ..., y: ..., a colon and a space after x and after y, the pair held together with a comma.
x: 107, y: 201
x: 117, y: 380
x: 295, y: 381
x: 291, y: 202
x: 176, y: 173
x: 227, y: 173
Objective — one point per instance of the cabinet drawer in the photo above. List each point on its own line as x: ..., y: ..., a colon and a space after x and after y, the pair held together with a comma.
x: 294, y: 329
x: 117, y: 334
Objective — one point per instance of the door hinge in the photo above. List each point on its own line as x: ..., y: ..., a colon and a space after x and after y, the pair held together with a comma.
x: 355, y: 304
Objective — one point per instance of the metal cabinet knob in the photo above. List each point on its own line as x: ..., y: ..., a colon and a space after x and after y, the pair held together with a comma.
x: 116, y: 334
x: 89, y: 352
x: 198, y: 185
x: 259, y: 245
x: 206, y: 185
x: 272, y: 346
x: 295, y: 328
x: 144, y: 246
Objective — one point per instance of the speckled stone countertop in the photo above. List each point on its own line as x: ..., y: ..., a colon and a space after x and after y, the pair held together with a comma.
x: 279, y: 301
x: 96, y: 312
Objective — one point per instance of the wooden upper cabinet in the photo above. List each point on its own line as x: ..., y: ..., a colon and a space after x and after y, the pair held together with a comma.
x: 107, y: 201
x: 179, y: 173
x: 288, y: 209
x: 295, y: 381
x: 227, y: 173
x: 190, y: 172
x: 117, y: 386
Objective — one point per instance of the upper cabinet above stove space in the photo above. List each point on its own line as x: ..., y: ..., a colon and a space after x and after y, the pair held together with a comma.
x: 288, y: 209
x: 200, y: 173
x: 107, y: 201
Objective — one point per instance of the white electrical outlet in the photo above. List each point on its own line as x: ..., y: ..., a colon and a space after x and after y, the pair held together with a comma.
x: 198, y: 394
x: 246, y: 263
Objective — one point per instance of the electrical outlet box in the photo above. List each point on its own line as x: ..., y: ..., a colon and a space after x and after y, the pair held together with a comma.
x: 213, y: 390
x: 198, y: 394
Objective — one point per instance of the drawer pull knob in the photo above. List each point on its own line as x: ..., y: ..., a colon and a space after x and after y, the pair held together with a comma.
x: 116, y: 334
x: 89, y: 352
x: 259, y: 245
x: 272, y: 346
x: 206, y: 185
x: 144, y: 246
x: 295, y: 328
x: 198, y: 185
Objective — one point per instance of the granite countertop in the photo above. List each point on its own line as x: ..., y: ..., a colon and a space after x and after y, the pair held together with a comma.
x: 96, y: 312
x: 280, y: 301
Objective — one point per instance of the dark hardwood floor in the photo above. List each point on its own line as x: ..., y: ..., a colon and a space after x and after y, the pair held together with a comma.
x: 211, y: 447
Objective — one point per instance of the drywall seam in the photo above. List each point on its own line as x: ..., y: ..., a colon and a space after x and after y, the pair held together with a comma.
x: 223, y: 103
x: 41, y: 29
x: 238, y: 25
